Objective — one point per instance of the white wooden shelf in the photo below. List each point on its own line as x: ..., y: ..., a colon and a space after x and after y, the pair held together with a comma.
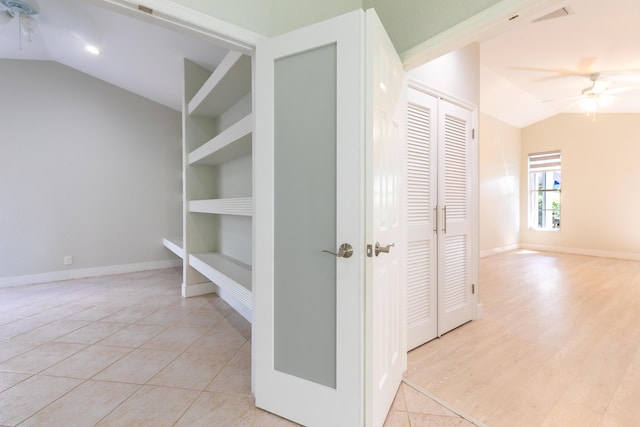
x: 232, y: 206
x: 232, y: 276
x: 222, y: 98
x: 175, y: 245
x: 228, y: 83
x: 231, y: 143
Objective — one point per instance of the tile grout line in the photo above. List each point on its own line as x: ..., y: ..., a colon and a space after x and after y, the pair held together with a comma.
x: 443, y: 403
x: 53, y: 401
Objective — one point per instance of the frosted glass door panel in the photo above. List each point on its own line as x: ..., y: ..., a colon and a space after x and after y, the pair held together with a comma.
x: 305, y: 215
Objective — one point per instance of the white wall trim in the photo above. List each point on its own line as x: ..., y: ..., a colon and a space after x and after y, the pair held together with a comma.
x: 197, y: 289
x: 224, y: 33
x: 479, y: 27
x: 55, y: 276
x: 423, y: 87
x: 632, y: 256
x: 499, y: 250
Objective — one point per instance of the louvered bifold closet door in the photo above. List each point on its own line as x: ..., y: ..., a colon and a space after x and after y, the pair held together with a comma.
x: 454, y: 196
x: 422, y: 313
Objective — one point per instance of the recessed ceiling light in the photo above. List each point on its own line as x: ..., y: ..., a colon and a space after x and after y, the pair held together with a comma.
x: 92, y: 49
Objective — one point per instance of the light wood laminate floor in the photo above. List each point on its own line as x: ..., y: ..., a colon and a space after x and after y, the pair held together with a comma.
x: 558, y: 344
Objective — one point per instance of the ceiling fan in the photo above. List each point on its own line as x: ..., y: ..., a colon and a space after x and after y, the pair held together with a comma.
x: 598, y: 95
x: 24, y: 11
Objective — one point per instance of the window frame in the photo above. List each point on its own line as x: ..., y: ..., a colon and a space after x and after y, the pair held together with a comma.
x: 539, y: 168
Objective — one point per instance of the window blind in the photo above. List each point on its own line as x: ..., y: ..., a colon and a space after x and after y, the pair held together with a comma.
x: 543, y: 162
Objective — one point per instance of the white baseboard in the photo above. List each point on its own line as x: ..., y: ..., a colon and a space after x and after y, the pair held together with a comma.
x: 499, y: 250
x: 479, y: 311
x: 198, y: 289
x: 56, y: 276
x: 631, y: 256
x: 561, y: 249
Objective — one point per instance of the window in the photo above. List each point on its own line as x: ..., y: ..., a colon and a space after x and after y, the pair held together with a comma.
x: 545, y: 178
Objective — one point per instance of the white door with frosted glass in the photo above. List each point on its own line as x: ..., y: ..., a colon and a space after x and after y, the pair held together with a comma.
x: 311, y: 303
x: 440, y: 213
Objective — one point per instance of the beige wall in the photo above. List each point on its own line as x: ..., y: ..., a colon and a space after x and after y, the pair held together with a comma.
x: 600, y: 189
x: 499, y: 185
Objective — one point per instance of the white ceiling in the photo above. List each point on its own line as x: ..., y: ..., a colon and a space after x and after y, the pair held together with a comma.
x: 520, y: 69
x: 140, y: 57
x: 551, y: 60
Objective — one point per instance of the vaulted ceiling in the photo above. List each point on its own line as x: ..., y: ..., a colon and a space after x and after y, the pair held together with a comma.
x: 539, y: 67
x: 532, y: 71
x: 136, y: 55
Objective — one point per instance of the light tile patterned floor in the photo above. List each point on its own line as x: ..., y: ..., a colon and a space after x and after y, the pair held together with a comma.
x: 413, y: 408
x: 128, y: 350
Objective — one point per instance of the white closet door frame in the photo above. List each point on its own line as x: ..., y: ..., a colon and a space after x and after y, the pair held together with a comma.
x: 426, y: 328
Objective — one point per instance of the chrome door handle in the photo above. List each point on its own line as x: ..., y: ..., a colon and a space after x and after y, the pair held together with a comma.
x: 344, y: 251
x: 385, y: 249
x: 444, y: 221
x: 435, y: 222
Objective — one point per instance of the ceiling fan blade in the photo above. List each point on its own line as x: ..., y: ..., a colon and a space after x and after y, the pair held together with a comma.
x: 570, y: 98
x: 562, y: 73
x: 558, y: 73
x: 570, y: 105
x: 623, y: 89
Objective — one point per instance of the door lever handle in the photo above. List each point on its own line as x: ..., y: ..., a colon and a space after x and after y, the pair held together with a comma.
x: 344, y: 251
x: 385, y: 249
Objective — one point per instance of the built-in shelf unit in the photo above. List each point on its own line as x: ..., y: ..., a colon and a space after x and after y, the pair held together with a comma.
x: 216, y: 245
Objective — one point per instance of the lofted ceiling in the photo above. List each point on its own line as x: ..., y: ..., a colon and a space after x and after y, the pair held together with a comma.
x: 136, y: 55
x: 532, y: 71
x: 528, y: 73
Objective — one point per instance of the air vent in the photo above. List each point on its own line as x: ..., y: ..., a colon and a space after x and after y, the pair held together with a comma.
x: 563, y: 11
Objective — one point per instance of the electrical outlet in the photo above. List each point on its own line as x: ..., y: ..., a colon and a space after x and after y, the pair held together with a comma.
x: 68, y: 260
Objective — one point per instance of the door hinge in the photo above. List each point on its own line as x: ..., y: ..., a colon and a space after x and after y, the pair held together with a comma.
x: 473, y: 288
x: 369, y: 251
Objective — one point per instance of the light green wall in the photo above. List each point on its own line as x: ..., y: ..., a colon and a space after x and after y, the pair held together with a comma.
x: 410, y: 22
x: 271, y: 17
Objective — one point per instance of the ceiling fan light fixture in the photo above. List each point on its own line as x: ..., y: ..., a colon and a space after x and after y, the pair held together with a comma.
x: 27, y: 25
x: 605, y: 100
x: 24, y: 11
x: 589, y: 104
